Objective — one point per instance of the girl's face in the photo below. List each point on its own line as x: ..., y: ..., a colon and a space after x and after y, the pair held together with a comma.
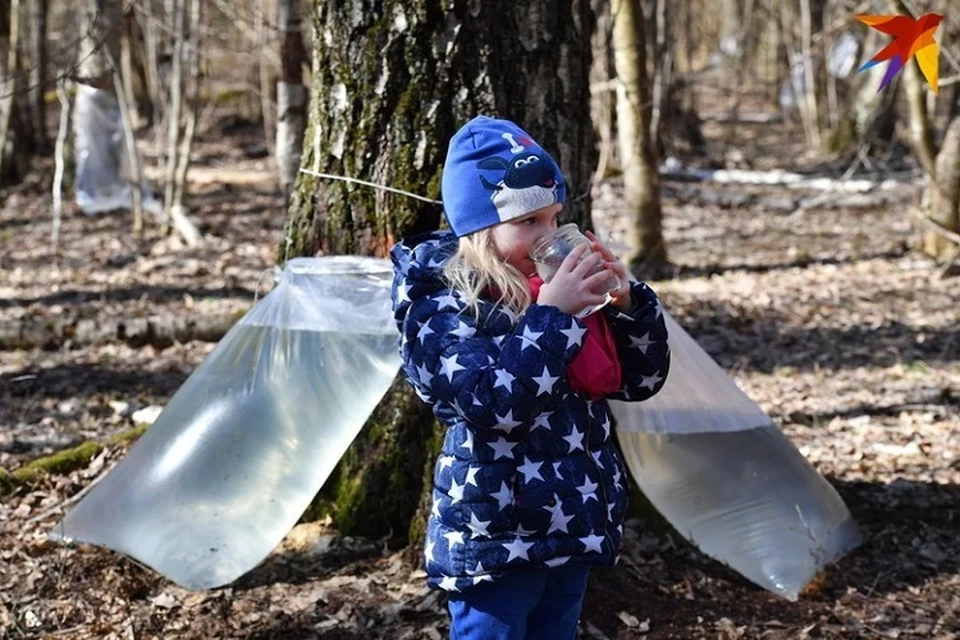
x: 512, y: 240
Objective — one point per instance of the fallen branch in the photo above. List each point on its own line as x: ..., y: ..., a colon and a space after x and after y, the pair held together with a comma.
x: 158, y: 331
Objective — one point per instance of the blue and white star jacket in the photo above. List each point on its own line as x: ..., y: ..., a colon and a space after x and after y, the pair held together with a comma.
x: 528, y: 476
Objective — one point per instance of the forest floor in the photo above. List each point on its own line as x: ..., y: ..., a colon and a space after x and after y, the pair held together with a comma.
x: 826, y: 316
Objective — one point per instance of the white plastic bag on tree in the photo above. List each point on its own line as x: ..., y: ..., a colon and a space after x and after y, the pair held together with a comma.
x: 245, y: 444
x: 718, y: 469
x: 103, y: 168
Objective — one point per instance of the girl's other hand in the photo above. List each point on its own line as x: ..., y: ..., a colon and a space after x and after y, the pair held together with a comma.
x: 621, y: 295
x: 572, y: 287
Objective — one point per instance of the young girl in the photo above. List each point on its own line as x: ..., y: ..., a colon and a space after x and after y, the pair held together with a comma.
x: 529, y: 490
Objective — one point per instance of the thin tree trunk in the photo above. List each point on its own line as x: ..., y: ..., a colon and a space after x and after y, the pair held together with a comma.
x: 9, y: 86
x: 263, y: 77
x: 602, y: 89
x: 809, y: 75
x: 637, y: 156
x: 38, y: 73
x: 942, y: 199
x: 175, y: 107
x: 388, y: 90
x: 60, y: 161
x: 133, y: 156
x: 291, y: 95
x: 193, y: 105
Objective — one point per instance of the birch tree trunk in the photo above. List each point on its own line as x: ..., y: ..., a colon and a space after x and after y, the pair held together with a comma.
x: 291, y: 94
x: 389, y: 89
x: 638, y: 160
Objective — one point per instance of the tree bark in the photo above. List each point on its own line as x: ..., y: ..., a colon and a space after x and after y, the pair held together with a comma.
x: 942, y: 199
x: 637, y: 156
x: 390, y: 85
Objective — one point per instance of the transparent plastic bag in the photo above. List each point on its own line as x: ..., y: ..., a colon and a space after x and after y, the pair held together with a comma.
x: 718, y: 469
x: 247, y: 441
x: 102, y: 165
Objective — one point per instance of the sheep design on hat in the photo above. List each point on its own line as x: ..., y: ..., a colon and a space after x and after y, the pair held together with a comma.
x: 528, y: 183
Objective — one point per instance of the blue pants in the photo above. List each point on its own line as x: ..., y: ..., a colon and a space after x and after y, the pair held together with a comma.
x: 523, y: 606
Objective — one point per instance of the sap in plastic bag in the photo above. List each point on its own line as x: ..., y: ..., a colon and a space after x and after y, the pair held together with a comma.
x: 718, y: 469
x: 103, y: 167
x: 245, y: 444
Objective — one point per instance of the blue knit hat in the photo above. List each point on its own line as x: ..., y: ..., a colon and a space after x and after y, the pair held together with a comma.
x: 495, y: 172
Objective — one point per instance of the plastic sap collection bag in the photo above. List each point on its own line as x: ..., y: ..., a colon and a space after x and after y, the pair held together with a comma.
x: 247, y: 441
x: 724, y: 475
x: 102, y: 164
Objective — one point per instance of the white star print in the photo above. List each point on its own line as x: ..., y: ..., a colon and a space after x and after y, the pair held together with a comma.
x: 403, y: 292
x: 542, y: 421
x: 518, y: 549
x: 574, y: 440
x: 428, y: 551
x: 574, y: 334
x: 472, y: 476
x: 468, y: 441
x: 478, y: 527
x: 605, y: 425
x: 504, y: 379
x: 448, y: 583
x: 529, y: 339
x: 556, y: 562
x: 610, y: 507
x: 453, y: 538
x: 507, y: 423
x: 425, y: 330
x: 504, y: 496
x: 530, y: 470
x: 464, y: 331
x: 596, y: 457
x: 556, y: 470
x: 449, y: 366
x: 502, y: 448
x: 544, y: 382
x: 556, y: 504
x: 445, y: 301
x: 435, y: 510
x: 559, y: 520
x: 588, y: 490
x: 424, y: 375
x: 641, y: 343
x: 592, y: 543
x: 445, y: 461
x: 479, y: 574
x: 650, y: 382
x: 456, y: 491
x: 520, y: 531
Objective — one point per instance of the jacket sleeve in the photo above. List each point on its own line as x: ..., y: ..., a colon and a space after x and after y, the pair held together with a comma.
x: 500, y: 382
x: 642, y: 347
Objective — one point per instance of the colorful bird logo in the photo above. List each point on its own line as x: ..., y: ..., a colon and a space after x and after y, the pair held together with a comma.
x: 910, y: 37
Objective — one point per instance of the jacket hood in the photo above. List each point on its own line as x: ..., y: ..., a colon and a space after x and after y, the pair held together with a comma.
x: 418, y: 268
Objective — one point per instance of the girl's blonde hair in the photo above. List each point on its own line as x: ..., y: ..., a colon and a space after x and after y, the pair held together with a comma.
x: 475, y: 270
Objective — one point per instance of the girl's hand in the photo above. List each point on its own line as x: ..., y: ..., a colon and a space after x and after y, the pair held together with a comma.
x: 572, y: 287
x: 621, y: 295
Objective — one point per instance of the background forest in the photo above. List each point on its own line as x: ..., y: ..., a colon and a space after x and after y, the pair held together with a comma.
x: 159, y: 157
